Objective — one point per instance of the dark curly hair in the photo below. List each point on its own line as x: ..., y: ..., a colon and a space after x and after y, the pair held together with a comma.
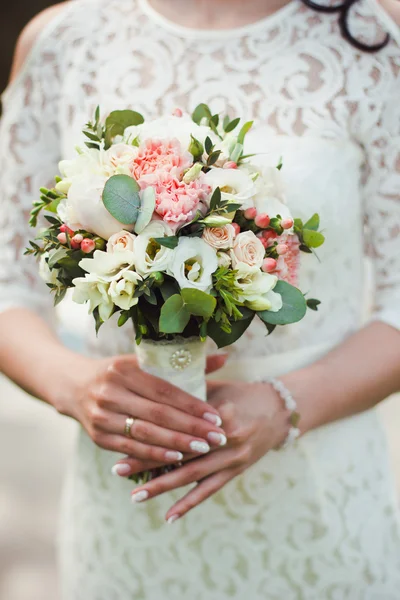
x: 343, y: 9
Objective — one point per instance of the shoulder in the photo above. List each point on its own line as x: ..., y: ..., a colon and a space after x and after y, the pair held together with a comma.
x: 31, y: 33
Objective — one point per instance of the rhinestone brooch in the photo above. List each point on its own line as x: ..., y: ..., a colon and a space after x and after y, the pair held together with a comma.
x: 181, y: 359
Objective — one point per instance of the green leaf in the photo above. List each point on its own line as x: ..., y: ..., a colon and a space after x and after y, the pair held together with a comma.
x: 198, y: 303
x: 294, y: 306
x: 237, y: 153
x: 215, y: 199
x: 313, y: 304
x: 170, y: 242
x: 313, y: 223
x: 313, y: 239
x: 147, y: 207
x: 305, y: 249
x: 174, y: 315
x: 196, y: 148
x: 298, y: 225
x: 56, y: 256
x: 168, y: 289
x: 280, y: 164
x: 232, y: 125
x: 121, y: 198
x: 222, y: 338
x: 124, y: 317
x: 214, y: 156
x: 208, y: 145
x: 200, y: 112
x: 244, y: 131
x: 119, y: 120
x: 98, y: 320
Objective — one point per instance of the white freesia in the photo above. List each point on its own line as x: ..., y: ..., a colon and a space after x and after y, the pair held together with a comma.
x: 95, y: 291
x: 226, y: 147
x: 121, y: 241
x: 168, y: 128
x: 84, y: 208
x: 48, y: 275
x: 108, y: 266
x: 270, y: 196
x: 149, y: 255
x: 248, y: 249
x: 235, y: 185
x: 122, y: 291
x: 256, y: 288
x: 193, y: 264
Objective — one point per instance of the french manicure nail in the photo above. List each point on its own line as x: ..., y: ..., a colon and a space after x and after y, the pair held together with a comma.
x: 200, y: 447
x: 211, y: 418
x: 172, y: 519
x: 139, y: 496
x: 170, y: 455
x: 121, y: 469
x: 217, y: 438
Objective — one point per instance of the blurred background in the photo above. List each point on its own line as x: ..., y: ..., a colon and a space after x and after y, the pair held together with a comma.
x: 35, y: 443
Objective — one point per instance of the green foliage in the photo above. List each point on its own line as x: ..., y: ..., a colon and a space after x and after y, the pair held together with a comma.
x: 174, y: 315
x: 312, y: 239
x: 313, y: 223
x: 231, y: 125
x: 121, y: 198
x: 196, y: 148
x: 147, y: 207
x: 225, y: 338
x: 313, y: 304
x: 294, y: 306
x: 49, y: 200
x: 201, y: 112
x: 170, y: 241
x: 198, y: 303
x: 308, y: 234
x: 244, y: 131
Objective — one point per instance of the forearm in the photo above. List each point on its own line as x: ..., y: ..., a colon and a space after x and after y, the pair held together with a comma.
x: 355, y: 376
x: 34, y: 358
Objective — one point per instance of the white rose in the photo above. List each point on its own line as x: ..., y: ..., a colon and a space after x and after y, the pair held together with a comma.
x: 118, y: 159
x: 108, y: 266
x: 48, y: 275
x: 270, y: 195
x: 84, y: 208
x: 88, y: 161
x: 220, y: 238
x: 193, y: 264
x: 256, y: 288
x: 122, y: 291
x: 121, y: 241
x: 95, y: 291
x: 224, y: 260
x: 167, y: 128
x: 235, y: 185
x: 149, y: 255
x: 248, y: 249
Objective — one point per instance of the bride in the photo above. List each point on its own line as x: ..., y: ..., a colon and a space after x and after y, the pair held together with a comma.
x: 317, y: 520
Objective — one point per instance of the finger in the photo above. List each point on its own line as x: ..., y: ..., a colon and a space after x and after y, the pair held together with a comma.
x: 206, y: 488
x: 130, y: 466
x: 215, y: 362
x: 159, y: 390
x: 149, y: 433
x: 191, y: 472
x: 135, y: 449
x: 126, y: 403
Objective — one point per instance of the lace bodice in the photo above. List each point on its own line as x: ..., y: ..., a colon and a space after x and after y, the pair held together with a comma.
x: 330, y: 111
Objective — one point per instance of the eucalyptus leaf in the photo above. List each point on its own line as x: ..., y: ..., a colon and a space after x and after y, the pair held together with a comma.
x: 121, y: 198
x: 174, y: 315
x: 222, y: 338
x: 200, y: 112
x: 147, y: 207
x: 198, y: 303
x: 313, y: 239
x: 313, y: 223
x: 294, y: 306
x: 119, y: 120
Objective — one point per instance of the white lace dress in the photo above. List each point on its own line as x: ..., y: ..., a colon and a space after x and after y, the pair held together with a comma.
x: 318, y: 521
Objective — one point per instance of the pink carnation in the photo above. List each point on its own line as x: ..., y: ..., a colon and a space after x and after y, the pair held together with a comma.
x: 288, y: 264
x: 159, y: 155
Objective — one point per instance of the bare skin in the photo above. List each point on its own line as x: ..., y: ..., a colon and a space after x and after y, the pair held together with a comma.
x: 392, y: 7
x: 355, y: 376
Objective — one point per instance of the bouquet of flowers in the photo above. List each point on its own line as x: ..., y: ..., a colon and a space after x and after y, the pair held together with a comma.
x: 170, y: 226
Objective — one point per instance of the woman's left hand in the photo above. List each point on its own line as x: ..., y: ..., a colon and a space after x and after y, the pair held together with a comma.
x: 255, y: 421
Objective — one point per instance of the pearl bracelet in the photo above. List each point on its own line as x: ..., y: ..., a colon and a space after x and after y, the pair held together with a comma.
x: 291, y: 405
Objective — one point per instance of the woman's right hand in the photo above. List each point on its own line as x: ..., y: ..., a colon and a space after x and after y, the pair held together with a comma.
x: 168, y: 422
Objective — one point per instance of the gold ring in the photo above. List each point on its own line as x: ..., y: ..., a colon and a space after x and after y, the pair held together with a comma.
x: 128, y: 424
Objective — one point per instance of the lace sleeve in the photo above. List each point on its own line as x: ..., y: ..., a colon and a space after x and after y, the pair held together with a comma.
x: 29, y: 153
x: 382, y: 202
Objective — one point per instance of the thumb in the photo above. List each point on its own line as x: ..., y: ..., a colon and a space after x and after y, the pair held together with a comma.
x: 215, y: 362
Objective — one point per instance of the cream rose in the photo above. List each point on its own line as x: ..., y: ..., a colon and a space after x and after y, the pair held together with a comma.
x: 150, y: 256
x: 256, y: 288
x: 119, y: 242
x: 122, y: 291
x: 248, y: 249
x: 220, y: 238
x: 193, y: 264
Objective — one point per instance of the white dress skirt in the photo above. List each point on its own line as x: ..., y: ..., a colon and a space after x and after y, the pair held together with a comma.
x: 319, y: 520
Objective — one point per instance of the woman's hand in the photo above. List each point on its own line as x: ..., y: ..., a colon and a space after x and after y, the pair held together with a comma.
x: 255, y: 421
x: 168, y: 422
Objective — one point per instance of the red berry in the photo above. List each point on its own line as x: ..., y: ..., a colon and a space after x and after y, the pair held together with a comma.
x: 230, y: 164
x: 236, y: 228
x: 269, y: 265
x: 88, y: 245
x: 250, y: 214
x: 62, y: 238
x: 262, y: 220
x: 282, y: 249
x: 287, y: 223
x: 269, y: 235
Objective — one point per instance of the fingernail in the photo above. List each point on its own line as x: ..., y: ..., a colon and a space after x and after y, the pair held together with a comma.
x: 139, y: 496
x: 172, y: 519
x: 121, y: 469
x: 217, y: 438
x: 173, y: 455
x: 200, y: 447
x: 211, y: 418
